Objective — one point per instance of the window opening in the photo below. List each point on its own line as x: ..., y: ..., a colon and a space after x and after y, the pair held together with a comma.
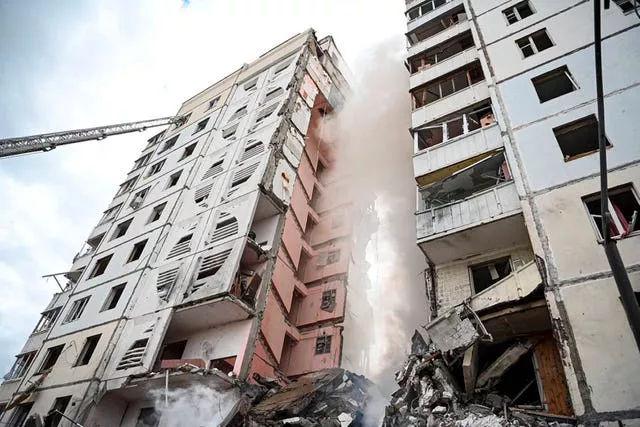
x: 251, y: 85
x: 201, y: 125
x: 47, y: 319
x: 578, y: 138
x: 76, y: 309
x: 173, y: 351
x: 188, y: 151
x: 441, y: 52
x: 211, y: 264
x: 224, y: 229
x: 53, y: 418
x: 50, y: 358
x: 127, y: 185
x: 100, y: 266
x: 333, y: 257
x: 273, y: 94
x: 534, y: 43
x: 229, y: 132
x: 19, y: 415
x: 156, y: 212
x: 138, y: 198
x: 121, y: 229
x: 448, y: 85
x: 169, y: 143
x: 174, y: 178
x: 87, y: 350
x: 114, y: 296
x: 328, y: 300
x: 253, y: 148
x: 214, y: 102
x: 110, y: 213
x: 486, y: 274
x: 553, y: 84
x: 323, y: 344
x: 240, y: 112
x: 624, y: 208
x: 627, y: 6
x: 165, y: 282
x: 181, y: 247
x: 202, y: 193
x: 133, y: 356
x: 518, y: 12
x: 142, y: 161
x: 21, y: 365
x: 137, y: 250
x: 214, y: 170
x: 155, y: 168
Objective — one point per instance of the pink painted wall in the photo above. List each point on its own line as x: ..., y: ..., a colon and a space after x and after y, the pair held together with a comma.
x: 308, y: 311
x: 311, y: 146
x: 313, y: 271
x: 335, y: 194
x: 283, y: 281
x: 306, y: 176
x: 259, y: 363
x: 300, y: 204
x: 303, y: 358
x: 273, y: 326
x: 324, y: 231
x: 292, y: 239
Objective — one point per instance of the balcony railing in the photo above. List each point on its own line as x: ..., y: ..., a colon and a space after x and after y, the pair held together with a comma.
x: 442, y: 107
x: 428, y: 10
x: 439, y: 37
x: 476, y: 209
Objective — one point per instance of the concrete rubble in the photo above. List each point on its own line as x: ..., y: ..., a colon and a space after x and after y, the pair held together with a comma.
x: 429, y: 396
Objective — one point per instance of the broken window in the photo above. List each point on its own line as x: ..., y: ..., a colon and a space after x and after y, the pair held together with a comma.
x: 76, y: 309
x: 137, y: 250
x: 169, y: 143
x: 188, y: 151
x: 110, y: 213
x: 447, y: 86
x: 156, y: 212
x: 154, y: 139
x: 441, y: 52
x: 225, y: 228
x: 624, y: 209
x: 181, y: 247
x: 200, y: 126
x: 240, y: 112
x: 223, y: 365
x: 328, y: 300
x: 578, y: 138
x: 155, y: 168
x: 87, y: 350
x: 518, y: 12
x: 265, y: 112
x: 333, y: 257
x: 127, y: 185
x: 21, y: 365
x: 138, y: 198
x: 148, y: 417
x: 165, y: 282
x: 323, y: 344
x: 202, y: 193
x: 273, y: 94
x: 229, y: 132
x: 114, y: 296
x: 627, y: 6
x: 534, y: 43
x: 19, y: 415
x: 47, y: 319
x: 250, y: 85
x: 215, y: 169
x: 174, y: 178
x: 100, y: 266
x: 554, y: 83
x: 50, y: 358
x: 214, y: 102
x: 173, y: 351
x: 433, y: 27
x: 426, y: 7
x: 253, y: 148
x: 54, y: 416
x: 142, y: 161
x: 121, y: 229
x: 133, y: 356
x: 209, y: 266
x: 486, y: 274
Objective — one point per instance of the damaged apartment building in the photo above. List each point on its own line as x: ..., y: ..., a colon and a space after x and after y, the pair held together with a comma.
x: 523, y: 303
x: 226, y: 254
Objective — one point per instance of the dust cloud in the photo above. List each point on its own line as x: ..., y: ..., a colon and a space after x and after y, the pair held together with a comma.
x: 374, y: 151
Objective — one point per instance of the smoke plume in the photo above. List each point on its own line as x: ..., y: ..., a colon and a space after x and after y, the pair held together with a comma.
x: 375, y: 150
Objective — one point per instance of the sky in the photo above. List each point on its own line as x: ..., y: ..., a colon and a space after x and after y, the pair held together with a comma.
x: 71, y: 64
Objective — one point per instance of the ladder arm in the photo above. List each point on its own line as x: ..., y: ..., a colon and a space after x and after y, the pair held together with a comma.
x: 49, y: 141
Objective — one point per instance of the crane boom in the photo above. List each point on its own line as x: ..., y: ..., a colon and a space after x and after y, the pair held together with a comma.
x: 49, y: 141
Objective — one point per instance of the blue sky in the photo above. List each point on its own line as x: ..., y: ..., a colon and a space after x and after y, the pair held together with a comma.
x: 69, y: 64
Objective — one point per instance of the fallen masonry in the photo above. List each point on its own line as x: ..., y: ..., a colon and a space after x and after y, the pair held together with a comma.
x: 429, y: 394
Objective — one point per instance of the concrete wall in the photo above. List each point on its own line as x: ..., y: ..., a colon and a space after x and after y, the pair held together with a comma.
x: 303, y: 358
x: 308, y: 311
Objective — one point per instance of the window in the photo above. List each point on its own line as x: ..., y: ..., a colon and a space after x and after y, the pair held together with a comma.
x: 486, y: 274
x: 19, y: 415
x: 114, y: 296
x: 148, y: 417
x: 441, y: 52
x: 229, y: 132
x: 333, y: 257
x: 253, y: 148
x: 110, y: 213
x: 623, y: 207
x: 21, y: 365
x: 169, y: 143
x: 127, y: 185
x: 138, y: 198
x: 201, y: 125
x: 534, y: 43
x: 188, y: 150
x: 518, y: 12
x: 142, y: 161
x: 100, y: 266
x: 174, y: 178
x: 50, y: 358
x: 282, y: 66
x: 273, y: 94
x: 155, y: 168
x: 154, y: 139
x: 87, y: 350
x: 626, y: 5
x: 425, y: 8
x: 173, y: 351
x: 553, y: 84
x: 214, y: 102
x: 136, y: 252
x: 328, y: 300
x: 59, y: 406
x: 133, y: 356
x: 250, y: 85
x: 448, y: 85
x: 47, y: 319
x: 240, y: 112
x: 323, y: 344
x: 578, y: 138
x: 121, y: 229
x: 265, y: 112
x: 76, y: 309
x: 156, y: 212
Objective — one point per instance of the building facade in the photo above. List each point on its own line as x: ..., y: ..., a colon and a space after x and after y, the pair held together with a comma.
x: 224, y: 255
x: 505, y: 133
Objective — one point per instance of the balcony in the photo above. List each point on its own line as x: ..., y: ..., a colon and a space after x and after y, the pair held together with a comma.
x: 427, y: 16
x: 439, y: 37
x: 484, y: 221
x: 466, y: 147
x: 447, y: 66
x: 466, y: 97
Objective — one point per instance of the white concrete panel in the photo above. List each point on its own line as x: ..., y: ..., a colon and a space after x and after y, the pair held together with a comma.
x: 221, y: 342
x: 444, y: 106
x: 445, y: 67
x: 429, y: 16
x: 436, y: 39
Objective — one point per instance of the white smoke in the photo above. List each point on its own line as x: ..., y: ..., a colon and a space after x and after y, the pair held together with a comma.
x: 375, y: 151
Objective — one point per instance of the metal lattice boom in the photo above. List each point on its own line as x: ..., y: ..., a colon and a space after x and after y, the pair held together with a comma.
x: 49, y: 141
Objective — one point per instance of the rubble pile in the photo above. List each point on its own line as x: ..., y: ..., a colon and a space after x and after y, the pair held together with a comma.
x: 429, y: 396
x: 331, y: 397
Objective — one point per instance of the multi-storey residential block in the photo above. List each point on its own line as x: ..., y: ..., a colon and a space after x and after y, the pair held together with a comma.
x: 505, y: 131
x: 226, y: 249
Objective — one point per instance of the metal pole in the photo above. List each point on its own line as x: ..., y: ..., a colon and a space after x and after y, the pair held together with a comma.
x: 627, y: 296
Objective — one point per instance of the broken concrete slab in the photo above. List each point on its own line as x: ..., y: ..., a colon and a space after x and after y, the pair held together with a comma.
x: 504, y: 362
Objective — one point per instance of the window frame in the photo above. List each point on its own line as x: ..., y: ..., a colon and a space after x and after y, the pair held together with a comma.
x: 157, y: 211
x: 531, y: 43
x: 596, y: 197
x: 323, y: 345
x: 549, y: 75
x: 76, y: 310
x: 201, y: 125
x: 115, y: 290
x: 118, y: 228
x: 28, y: 357
x: 40, y: 325
x: 95, y: 266
x: 47, y: 357
x: 155, y: 168
x: 575, y: 124
x: 89, y: 346
x: 516, y: 13
x: 174, y: 177
x: 141, y: 244
x: 127, y: 186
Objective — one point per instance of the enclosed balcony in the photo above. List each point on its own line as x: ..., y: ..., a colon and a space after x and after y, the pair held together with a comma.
x: 473, y: 211
x: 428, y: 10
x: 438, y: 31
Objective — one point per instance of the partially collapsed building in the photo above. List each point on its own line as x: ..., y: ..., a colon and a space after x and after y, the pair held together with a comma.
x: 522, y: 299
x: 225, y: 255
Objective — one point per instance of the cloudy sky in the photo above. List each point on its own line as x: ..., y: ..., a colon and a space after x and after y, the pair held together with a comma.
x: 68, y: 64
